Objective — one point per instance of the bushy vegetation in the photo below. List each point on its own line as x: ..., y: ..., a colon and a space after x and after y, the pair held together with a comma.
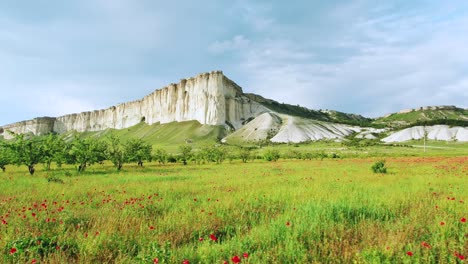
x: 379, y: 167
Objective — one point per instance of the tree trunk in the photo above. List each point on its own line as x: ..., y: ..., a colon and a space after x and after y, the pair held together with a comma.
x: 3, y: 168
x: 140, y: 163
x: 31, y: 169
x: 119, y: 167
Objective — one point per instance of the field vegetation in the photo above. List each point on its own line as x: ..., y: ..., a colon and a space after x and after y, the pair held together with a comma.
x: 121, y: 200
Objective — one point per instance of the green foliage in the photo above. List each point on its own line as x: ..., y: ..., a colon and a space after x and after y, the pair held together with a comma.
x: 85, y: 152
x: 379, y: 167
x: 53, y: 150
x: 245, y: 154
x: 115, y: 152
x: 161, y: 156
x: 213, y: 153
x: 185, y: 153
x: 138, y: 151
x: 271, y: 155
x: 5, y: 156
x: 54, y: 178
x: 28, y: 152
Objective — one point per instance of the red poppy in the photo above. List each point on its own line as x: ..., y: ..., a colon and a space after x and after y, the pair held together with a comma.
x: 12, y: 251
x: 236, y: 259
x: 151, y: 227
x: 225, y: 262
x: 200, y: 239
x: 185, y: 261
x: 288, y: 223
x: 33, y: 261
x: 425, y: 244
x: 459, y: 256
x: 155, y: 261
x: 213, y: 237
x: 246, y: 255
x: 409, y: 253
x: 442, y: 223
x: 463, y: 220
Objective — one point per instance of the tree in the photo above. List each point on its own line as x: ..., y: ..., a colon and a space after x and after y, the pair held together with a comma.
x: 26, y: 152
x: 53, y: 148
x: 185, y: 153
x: 115, y: 152
x: 271, y: 155
x: 138, y: 151
x: 245, y: 154
x: 161, y: 156
x: 86, y: 152
x: 5, y: 156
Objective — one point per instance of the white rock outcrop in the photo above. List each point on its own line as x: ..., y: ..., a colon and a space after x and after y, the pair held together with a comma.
x: 209, y: 98
x: 437, y: 132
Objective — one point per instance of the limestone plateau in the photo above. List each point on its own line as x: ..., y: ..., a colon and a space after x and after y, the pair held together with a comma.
x: 213, y: 99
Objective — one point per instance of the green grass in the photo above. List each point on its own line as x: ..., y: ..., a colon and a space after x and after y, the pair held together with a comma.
x: 330, y: 211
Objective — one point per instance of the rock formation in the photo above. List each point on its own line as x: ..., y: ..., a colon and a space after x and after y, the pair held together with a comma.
x: 209, y: 98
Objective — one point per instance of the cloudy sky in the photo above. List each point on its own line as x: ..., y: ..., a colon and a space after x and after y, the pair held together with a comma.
x: 367, y: 57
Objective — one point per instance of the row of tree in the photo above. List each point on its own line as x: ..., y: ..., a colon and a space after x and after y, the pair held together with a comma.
x: 82, y: 152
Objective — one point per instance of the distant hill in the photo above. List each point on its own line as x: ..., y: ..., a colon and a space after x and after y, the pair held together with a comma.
x: 430, y: 115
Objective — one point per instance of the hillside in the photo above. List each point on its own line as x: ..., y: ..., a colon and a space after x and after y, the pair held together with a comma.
x: 320, y: 115
x: 169, y: 136
x: 431, y: 115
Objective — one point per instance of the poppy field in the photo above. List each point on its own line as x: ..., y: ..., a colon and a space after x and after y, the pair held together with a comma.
x: 289, y: 211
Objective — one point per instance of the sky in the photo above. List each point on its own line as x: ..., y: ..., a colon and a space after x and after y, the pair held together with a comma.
x: 365, y: 57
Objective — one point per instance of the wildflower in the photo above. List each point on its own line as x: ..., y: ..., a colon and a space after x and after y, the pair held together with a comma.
x: 463, y: 220
x: 185, y: 261
x: 245, y: 255
x: 409, y: 253
x: 425, y: 244
x: 236, y: 259
x: 442, y: 223
x: 155, y: 261
x: 288, y: 223
x: 459, y: 256
x: 200, y: 239
x: 213, y: 237
x: 13, y: 251
x: 151, y: 227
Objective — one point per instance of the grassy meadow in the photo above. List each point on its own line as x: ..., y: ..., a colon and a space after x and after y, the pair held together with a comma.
x: 290, y: 211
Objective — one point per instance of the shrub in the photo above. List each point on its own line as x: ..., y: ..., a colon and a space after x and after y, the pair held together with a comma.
x: 379, y: 167
x: 271, y: 155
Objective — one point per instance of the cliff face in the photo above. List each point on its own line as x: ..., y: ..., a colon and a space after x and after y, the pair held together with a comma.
x: 209, y: 98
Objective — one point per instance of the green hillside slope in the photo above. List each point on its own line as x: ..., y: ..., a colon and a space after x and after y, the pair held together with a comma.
x: 169, y: 136
x: 447, y: 115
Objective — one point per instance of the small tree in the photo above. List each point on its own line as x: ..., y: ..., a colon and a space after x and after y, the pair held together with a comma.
x: 5, y: 156
x: 86, y: 152
x: 138, y: 151
x: 161, y: 156
x: 244, y: 154
x: 379, y: 167
x: 185, y: 153
x: 53, y: 148
x: 115, y: 152
x: 26, y: 152
x: 271, y: 155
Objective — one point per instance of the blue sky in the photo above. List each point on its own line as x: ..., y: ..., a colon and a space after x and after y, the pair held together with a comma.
x: 365, y: 57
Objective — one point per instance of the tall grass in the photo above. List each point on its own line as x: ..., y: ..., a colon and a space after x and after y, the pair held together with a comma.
x: 330, y: 211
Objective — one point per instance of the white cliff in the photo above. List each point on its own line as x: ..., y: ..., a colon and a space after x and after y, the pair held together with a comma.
x: 209, y: 98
